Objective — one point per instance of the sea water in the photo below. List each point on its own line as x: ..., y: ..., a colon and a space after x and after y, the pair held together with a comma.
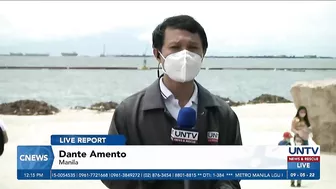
x: 68, y: 88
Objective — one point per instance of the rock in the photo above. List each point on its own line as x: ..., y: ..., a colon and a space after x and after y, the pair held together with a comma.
x: 268, y: 98
x: 104, y: 106
x: 231, y: 102
x: 27, y: 107
x: 319, y: 97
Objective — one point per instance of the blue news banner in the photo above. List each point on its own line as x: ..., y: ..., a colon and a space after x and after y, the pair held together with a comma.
x: 35, y: 163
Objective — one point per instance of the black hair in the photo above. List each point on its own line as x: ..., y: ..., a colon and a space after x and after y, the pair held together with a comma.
x: 305, y: 119
x: 183, y: 22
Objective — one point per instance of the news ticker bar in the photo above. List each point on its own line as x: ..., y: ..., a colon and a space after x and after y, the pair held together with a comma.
x: 168, y: 174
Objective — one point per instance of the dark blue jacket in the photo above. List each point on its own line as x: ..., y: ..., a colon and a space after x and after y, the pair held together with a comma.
x: 138, y: 117
x: 284, y: 143
x: 2, y: 141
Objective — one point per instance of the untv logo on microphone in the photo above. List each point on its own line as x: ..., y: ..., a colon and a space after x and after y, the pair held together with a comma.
x: 184, y: 136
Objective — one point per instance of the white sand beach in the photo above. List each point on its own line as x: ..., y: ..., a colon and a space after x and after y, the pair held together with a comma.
x: 260, y: 124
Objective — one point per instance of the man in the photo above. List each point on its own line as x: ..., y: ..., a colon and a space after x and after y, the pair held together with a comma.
x: 3, y: 137
x: 286, y: 139
x: 147, y: 117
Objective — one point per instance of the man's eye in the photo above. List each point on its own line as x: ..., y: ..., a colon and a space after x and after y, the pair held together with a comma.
x: 193, y: 47
x: 174, y: 47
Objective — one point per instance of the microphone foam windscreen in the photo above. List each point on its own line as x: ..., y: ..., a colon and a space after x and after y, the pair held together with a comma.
x: 186, y: 117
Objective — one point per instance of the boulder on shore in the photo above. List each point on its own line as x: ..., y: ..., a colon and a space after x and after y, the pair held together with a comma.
x: 103, y: 106
x: 231, y: 102
x: 319, y: 97
x: 27, y: 107
x: 268, y: 98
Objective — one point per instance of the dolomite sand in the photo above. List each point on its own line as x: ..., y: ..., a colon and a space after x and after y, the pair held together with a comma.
x: 260, y: 124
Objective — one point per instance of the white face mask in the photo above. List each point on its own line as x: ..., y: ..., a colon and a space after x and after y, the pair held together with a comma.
x: 298, y: 143
x: 182, y: 66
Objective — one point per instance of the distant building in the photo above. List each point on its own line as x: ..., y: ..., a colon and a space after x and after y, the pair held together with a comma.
x: 36, y: 54
x: 310, y: 56
x: 15, y: 54
x: 69, y: 54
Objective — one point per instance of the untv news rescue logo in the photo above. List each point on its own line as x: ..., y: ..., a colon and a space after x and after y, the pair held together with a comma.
x: 212, y: 137
x: 304, y: 151
x: 184, y: 136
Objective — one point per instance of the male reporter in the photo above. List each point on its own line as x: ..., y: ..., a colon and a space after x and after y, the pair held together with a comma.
x: 3, y: 137
x: 147, y: 117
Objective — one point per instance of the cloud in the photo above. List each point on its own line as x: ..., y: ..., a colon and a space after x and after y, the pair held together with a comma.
x: 247, y: 26
x: 146, y: 36
x: 50, y: 20
x: 230, y: 26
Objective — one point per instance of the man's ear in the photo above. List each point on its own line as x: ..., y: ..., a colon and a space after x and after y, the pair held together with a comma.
x: 156, y: 54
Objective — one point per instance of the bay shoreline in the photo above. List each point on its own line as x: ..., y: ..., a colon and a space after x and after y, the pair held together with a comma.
x: 35, y: 107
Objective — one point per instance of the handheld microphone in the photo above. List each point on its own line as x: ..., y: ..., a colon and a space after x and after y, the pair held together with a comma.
x: 184, y: 134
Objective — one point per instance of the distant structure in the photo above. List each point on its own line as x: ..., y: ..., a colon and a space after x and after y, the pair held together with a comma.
x: 310, y: 56
x: 69, y: 54
x: 144, y: 66
x: 15, y: 54
x: 280, y: 56
x: 26, y: 54
x: 104, y: 53
x: 36, y: 54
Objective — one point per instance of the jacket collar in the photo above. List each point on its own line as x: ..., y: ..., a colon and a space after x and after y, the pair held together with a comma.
x: 154, y: 100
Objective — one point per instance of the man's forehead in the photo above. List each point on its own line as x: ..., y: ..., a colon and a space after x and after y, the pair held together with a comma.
x: 178, y: 35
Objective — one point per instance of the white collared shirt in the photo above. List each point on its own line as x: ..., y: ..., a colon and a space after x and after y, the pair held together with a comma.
x: 171, y: 102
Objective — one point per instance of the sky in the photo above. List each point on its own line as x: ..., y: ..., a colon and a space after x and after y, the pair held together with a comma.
x: 233, y: 28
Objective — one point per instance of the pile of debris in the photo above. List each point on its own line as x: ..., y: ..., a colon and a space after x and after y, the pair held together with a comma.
x: 28, y: 107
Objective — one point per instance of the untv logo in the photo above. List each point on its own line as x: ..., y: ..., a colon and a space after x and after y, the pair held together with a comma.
x: 304, y: 150
x: 184, y: 136
x: 213, y: 136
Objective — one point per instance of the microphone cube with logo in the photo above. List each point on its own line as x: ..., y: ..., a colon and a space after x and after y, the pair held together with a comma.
x: 185, y: 133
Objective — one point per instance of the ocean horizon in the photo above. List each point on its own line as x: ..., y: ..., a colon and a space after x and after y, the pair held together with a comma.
x: 69, y: 88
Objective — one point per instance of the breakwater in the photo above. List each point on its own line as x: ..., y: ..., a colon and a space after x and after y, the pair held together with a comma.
x: 153, y: 68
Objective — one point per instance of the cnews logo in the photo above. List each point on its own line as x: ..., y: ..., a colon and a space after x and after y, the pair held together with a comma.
x: 33, y: 157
